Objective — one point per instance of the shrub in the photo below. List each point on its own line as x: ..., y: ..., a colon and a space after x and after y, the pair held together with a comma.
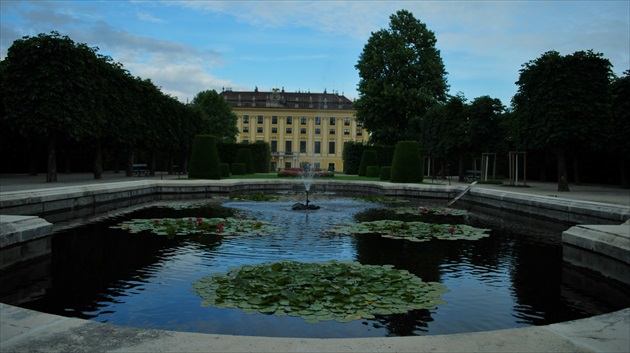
x: 407, y: 166
x: 239, y: 169
x: 369, y: 158
x: 261, y: 154
x: 244, y: 155
x: 204, y: 158
x: 225, y: 170
x: 385, y: 173
x: 372, y: 171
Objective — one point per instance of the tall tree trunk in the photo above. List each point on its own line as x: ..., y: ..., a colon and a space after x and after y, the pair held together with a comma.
x: 51, y: 170
x: 130, y: 156
x: 98, y: 161
x: 563, y: 182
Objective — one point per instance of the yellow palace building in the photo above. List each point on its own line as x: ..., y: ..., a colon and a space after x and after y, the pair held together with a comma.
x: 302, y: 128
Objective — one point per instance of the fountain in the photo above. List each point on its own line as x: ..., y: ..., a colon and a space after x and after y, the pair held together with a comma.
x: 307, y: 175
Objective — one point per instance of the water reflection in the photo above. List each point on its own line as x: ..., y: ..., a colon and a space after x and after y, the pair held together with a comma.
x: 513, y: 278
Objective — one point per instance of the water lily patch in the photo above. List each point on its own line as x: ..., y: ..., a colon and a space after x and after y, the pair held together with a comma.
x: 412, y: 231
x: 342, y: 291
x: 226, y: 227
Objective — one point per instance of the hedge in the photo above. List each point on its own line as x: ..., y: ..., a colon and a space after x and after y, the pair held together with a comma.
x: 385, y: 173
x: 372, y: 171
x: 261, y: 154
x: 369, y: 158
x: 239, y: 169
x: 225, y: 170
x: 407, y: 164
x: 244, y: 155
x: 204, y: 158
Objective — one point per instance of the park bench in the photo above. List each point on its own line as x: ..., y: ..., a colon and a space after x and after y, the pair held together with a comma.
x: 472, y: 175
x: 140, y: 169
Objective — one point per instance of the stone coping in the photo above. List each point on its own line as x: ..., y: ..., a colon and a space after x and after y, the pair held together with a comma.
x: 26, y: 330
x: 23, y: 330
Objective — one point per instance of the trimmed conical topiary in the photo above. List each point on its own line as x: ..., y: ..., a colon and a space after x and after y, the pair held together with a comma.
x: 244, y: 155
x: 204, y: 158
x: 368, y: 159
x: 407, y: 164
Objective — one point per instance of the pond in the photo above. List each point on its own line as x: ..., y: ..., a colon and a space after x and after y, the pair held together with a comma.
x: 514, y: 277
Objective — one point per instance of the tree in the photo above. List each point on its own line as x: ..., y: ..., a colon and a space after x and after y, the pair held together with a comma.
x: 49, y: 92
x: 562, y: 104
x: 401, y: 77
x: 484, y: 114
x: 217, y: 114
x: 619, y: 143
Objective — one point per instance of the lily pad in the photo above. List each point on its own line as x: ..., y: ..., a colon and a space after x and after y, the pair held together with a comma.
x: 227, y: 227
x: 340, y: 291
x: 412, y: 231
x: 431, y: 211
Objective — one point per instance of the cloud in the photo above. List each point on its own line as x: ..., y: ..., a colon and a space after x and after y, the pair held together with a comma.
x: 146, y: 17
x: 182, y: 81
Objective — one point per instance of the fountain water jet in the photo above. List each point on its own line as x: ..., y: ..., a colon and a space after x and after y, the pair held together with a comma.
x: 307, y: 175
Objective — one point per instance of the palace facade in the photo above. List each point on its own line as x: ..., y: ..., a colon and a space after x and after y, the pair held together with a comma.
x: 303, y: 129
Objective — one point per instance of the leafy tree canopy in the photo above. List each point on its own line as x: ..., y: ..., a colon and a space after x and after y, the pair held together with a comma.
x: 219, y: 120
x: 562, y: 100
x: 563, y: 103
x: 401, y: 77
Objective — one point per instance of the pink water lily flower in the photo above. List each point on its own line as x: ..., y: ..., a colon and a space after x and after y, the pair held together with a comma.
x: 452, y: 230
x: 220, y: 226
x: 423, y: 208
x: 156, y: 221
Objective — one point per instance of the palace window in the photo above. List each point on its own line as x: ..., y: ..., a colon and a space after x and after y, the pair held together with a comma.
x: 274, y: 146
x: 274, y: 120
x: 259, y: 129
x: 289, y: 120
x: 318, y: 131
x: 331, y: 121
x: 302, y: 146
x: 260, y: 119
x: 245, y: 128
x: 289, y: 130
x: 318, y: 147
x: 331, y: 131
x: 303, y: 120
x: 302, y: 130
x: 331, y: 147
x: 245, y: 119
x: 346, y: 131
x: 318, y: 120
x: 274, y: 130
x: 346, y: 121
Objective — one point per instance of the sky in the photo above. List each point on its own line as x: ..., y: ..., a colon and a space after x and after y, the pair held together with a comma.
x: 186, y: 47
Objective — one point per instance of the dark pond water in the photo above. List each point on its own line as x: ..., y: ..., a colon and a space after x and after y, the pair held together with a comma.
x: 514, y: 278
